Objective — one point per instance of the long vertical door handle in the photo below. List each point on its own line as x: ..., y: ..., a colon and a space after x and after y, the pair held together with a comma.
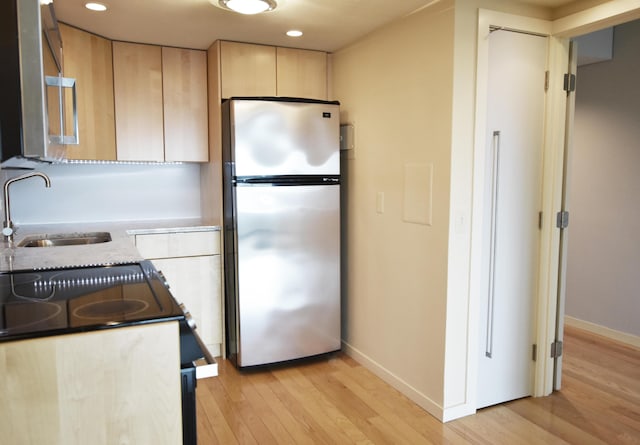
x: 492, y: 242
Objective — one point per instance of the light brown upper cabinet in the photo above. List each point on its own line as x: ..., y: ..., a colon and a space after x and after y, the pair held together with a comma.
x: 88, y: 59
x: 160, y: 102
x: 184, y: 85
x: 137, y: 81
x: 258, y: 70
x: 301, y: 73
x: 247, y: 69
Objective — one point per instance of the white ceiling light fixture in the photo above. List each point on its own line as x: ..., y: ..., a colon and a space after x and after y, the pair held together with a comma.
x: 96, y: 6
x: 248, y: 6
x: 294, y: 33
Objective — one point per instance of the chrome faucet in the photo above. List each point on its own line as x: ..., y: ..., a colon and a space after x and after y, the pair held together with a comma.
x: 7, y: 226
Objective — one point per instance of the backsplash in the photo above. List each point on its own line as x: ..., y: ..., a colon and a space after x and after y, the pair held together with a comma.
x: 106, y: 192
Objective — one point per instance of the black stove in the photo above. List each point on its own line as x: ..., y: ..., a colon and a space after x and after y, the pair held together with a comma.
x: 60, y: 301
x: 39, y: 303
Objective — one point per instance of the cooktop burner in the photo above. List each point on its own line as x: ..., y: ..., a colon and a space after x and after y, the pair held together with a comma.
x: 110, y: 308
x: 18, y: 284
x: 82, y: 298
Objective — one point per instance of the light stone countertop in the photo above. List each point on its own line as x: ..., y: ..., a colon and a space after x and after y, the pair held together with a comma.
x: 121, y: 249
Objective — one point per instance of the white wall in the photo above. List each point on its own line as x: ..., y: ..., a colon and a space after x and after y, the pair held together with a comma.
x: 603, y: 283
x: 409, y: 91
x: 395, y: 87
x: 106, y: 192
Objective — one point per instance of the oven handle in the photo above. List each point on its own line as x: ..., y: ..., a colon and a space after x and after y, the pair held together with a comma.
x: 206, y: 366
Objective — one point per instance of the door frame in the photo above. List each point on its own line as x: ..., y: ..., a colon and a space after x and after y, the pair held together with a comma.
x: 544, y: 315
x: 560, y: 31
x: 551, y: 290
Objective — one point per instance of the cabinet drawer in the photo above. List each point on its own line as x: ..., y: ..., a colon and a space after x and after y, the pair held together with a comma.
x: 184, y: 244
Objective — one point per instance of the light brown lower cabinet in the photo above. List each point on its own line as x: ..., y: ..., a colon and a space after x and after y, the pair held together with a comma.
x: 191, y: 263
x: 114, y: 386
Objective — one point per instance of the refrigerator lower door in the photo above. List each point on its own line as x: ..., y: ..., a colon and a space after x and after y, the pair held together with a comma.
x: 288, y: 272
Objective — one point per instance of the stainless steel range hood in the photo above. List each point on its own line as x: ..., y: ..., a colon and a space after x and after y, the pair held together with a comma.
x: 43, y: 90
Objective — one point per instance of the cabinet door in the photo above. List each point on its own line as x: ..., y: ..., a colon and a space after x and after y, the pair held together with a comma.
x: 301, y: 73
x: 195, y: 281
x: 184, y: 85
x: 247, y: 69
x: 109, y: 386
x: 137, y: 78
x: 88, y: 59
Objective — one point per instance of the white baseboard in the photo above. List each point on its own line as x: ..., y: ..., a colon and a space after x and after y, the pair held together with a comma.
x: 406, y: 389
x: 622, y: 337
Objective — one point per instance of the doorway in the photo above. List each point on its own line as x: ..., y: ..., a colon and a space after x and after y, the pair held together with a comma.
x: 601, y: 277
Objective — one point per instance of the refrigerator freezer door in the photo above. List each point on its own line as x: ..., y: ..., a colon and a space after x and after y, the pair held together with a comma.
x: 288, y: 242
x: 285, y: 138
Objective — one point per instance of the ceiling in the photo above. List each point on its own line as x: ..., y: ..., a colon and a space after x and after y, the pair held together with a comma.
x: 328, y: 25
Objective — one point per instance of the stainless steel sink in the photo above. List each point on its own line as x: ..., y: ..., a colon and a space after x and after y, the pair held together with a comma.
x: 65, y: 239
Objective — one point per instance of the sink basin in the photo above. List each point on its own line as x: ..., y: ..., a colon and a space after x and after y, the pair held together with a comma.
x: 65, y: 239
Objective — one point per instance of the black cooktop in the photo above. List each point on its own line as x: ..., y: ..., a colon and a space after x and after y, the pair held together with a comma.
x: 61, y: 301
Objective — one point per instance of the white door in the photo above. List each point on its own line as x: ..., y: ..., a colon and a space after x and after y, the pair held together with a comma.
x: 514, y: 138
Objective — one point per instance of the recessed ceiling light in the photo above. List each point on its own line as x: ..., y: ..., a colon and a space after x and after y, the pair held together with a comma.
x: 96, y: 6
x: 247, y: 6
x: 294, y: 33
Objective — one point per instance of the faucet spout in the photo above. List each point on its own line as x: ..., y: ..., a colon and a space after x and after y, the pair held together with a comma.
x: 7, y: 226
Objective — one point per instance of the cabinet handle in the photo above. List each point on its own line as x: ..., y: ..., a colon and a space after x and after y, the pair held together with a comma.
x: 492, y: 243
x: 60, y: 83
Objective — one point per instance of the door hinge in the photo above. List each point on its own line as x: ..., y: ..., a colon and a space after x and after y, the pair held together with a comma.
x: 540, y: 220
x: 569, y: 83
x: 546, y: 81
x: 534, y: 352
x: 556, y: 349
x: 562, y: 219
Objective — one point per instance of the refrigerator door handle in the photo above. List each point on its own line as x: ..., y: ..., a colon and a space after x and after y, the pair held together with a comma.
x: 287, y: 180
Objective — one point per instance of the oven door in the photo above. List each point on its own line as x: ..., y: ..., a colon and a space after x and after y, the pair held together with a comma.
x: 196, y: 363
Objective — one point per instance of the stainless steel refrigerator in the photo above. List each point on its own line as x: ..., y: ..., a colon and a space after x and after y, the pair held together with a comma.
x: 281, y: 175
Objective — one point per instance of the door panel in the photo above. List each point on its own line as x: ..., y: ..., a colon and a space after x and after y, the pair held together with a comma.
x: 285, y: 138
x: 288, y: 272
x: 517, y: 64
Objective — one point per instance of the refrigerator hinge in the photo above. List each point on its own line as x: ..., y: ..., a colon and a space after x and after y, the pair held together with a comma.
x: 569, y: 83
x: 534, y: 352
x: 556, y: 349
x: 562, y: 219
x: 546, y: 81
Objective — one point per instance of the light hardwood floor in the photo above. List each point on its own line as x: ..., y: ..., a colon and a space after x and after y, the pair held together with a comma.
x: 337, y: 401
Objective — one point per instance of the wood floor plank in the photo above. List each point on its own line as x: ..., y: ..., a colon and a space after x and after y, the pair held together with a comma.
x: 204, y: 427
x: 233, y: 416
x: 387, y: 406
x: 588, y: 404
x: 210, y: 410
x: 300, y: 412
x: 327, y: 414
x: 299, y: 434
x: 335, y: 400
x: 545, y: 418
